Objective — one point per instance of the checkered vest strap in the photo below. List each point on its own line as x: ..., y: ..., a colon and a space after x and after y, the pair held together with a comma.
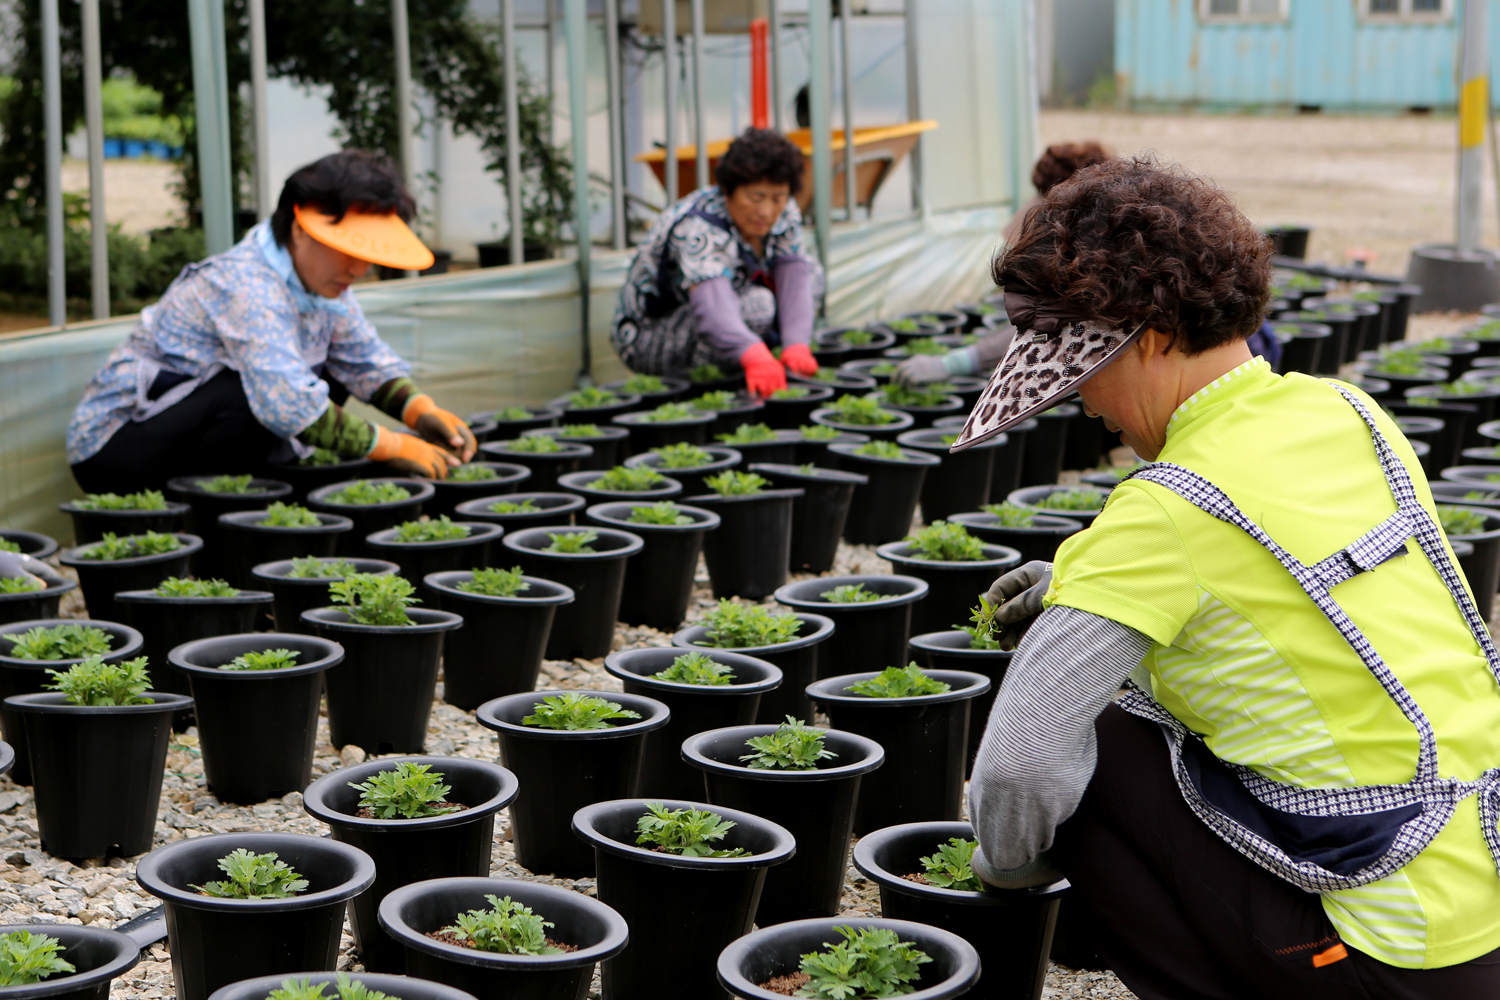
x: 1436, y: 797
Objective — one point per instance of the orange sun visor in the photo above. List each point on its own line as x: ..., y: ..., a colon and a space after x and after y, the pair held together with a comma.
x: 379, y: 239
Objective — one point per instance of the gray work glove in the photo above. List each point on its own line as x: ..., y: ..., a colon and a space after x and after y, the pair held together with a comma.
x: 922, y: 369
x: 1017, y: 597
x: 13, y: 565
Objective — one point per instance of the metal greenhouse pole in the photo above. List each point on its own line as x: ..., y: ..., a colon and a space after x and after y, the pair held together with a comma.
x: 776, y: 65
x: 93, y: 116
x: 914, y: 105
x: 57, y: 302
x: 669, y: 60
x: 575, y: 28
x: 700, y: 136
x: 512, y: 133
x: 405, y: 123
x: 259, y: 111
x: 618, y: 223
x: 211, y: 104
x: 847, y: 84
x: 1473, y: 112
x: 818, y: 22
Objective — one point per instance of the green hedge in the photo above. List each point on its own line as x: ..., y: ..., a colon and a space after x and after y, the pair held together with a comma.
x: 140, y: 268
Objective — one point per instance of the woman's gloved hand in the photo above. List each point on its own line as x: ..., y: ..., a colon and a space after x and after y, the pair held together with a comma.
x: 763, y: 373
x: 439, y: 427
x: 410, y: 454
x: 1017, y: 597
x: 799, y: 359
x: 14, y: 565
x: 924, y: 368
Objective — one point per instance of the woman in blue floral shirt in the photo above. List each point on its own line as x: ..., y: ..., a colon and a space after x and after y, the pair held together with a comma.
x: 247, y: 357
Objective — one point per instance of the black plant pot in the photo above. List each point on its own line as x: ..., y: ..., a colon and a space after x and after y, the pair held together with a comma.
x: 960, y: 482
x: 92, y: 525
x: 898, y: 425
x: 561, y: 771
x: 818, y: 515
x: 695, y: 708
x: 798, y: 660
x: 96, y: 771
x: 215, y: 942
x: 1302, y: 346
x: 595, y: 414
x: 748, y: 556
x: 693, y: 906
x: 648, y: 435
x: 967, y: 388
x: 838, y: 380
x: 379, y: 698
x: 879, y: 342
x: 1482, y: 568
x: 923, y: 416
x: 582, y: 483
x: 1482, y: 404
x: 499, y: 649
x: 216, y: 561
x: 449, y: 493
x: 545, y: 466
x: 816, y: 805
x: 1042, y: 459
x: 1010, y: 457
x: 611, y: 445
x: 292, y: 595
x: 1457, y: 420
x: 779, y: 451
x: 36, y: 604
x: 811, y: 451
x: 1022, y: 918
x: 951, y: 650
x: 871, y: 635
x: 692, y: 479
x: 745, y: 410
x: 31, y: 543
x: 953, y: 588
x: 877, y: 370
x: 551, y: 509
x: 100, y: 580
x: 1032, y: 497
x: 258, y: 728
x: 928, y: 735
x: 21, y: 676
x: 672, y: 390
x: 98, y: 956
x: 789, y: 414
x: 659, y: 580
x: 397, y: 986
x: 777, y: 951
x: 883, y: 508
x: 370, y: 518
x: 1039, y: 541
x: 417, y: 559
x: 450, y: 845
x: 305, y: 478
x: 410, y: 913
x: 505, y: 430
x: 587, y: 627
x: 252, y: 543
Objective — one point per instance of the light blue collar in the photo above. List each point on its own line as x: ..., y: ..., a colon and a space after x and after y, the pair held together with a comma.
x: 281, y: 262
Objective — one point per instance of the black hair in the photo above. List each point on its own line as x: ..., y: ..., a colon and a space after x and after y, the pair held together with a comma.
x: 340, y: 181
x: 760, y: 154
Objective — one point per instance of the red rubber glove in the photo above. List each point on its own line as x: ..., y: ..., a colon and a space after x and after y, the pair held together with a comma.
x: 799, y: 359
x: 763, y: 373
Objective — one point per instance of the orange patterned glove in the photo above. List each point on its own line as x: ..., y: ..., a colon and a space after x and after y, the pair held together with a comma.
x: 763, y: 373
x: 410, y: 454
x: 799, y: 359
x: 439, y: 426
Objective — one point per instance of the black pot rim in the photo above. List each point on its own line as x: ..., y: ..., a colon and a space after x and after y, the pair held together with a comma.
x: 437, y: 621
x: 315, y: 796
x: 831, y: 690
x: 488, y: 416
x: 926, y: 641
x: 606, y: 433
x: 1059, y: 524
x: 572, y: 503
x: 627, y: 399
x: 823, y: 630
x: 173, y: 508
x: 941, y: 831
x: 874, y: 756
x: 148, y: 874
x: 935, y: 435
x: 1471, y: 475
x: 704, y: 520
x: 1016, y: 497
x: 1434, y: 392
x: 803, y: 400
x: 819, y: 475
x: 47, y: 547
x: 565, y: 450
x: 784, y: 436
x: 615, y: 939
x: 445, y: 582
x: 1491, y: 517
x: 633, y: 543
x: 912, y: 457
x: 783, y: 494
x: 240, y: 520
x: 53, y: 588
x: 728, y: 458
x: 179, y: 657
x: 514, y: 474
x: 654, y: 715
x: 133, y: 640
x: 584, y: 482
x: 903, y: 421
x: 352, y: 463
x: 52, y: 703
x: 127, y: 955
x: 190, y: 545
x: 152, y: 597
x: 613, y: 665
x: 424, y: 492
x: 637, y: 418
x: 267, y: 571
x: 187, y: 484
x: 260, y: 987
x: 919, y: 588
x: 889, y: 552
x: 584, y: 828
x: 480, y: 533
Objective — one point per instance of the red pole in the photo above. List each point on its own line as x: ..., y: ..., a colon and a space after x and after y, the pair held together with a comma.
x: 760, y: 80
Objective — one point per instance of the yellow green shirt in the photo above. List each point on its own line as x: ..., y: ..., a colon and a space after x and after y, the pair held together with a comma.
x: 1243, y: 657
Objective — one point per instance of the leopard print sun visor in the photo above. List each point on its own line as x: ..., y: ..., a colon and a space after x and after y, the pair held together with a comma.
x: 1053, y: 353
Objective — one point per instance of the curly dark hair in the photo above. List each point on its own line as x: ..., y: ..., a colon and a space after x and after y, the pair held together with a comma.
x: 340, y: 181
x: 760, y: 154
x: 1062, y: 160
x: 1132, y: 240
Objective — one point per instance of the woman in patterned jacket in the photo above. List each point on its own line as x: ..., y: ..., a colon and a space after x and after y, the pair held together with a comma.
x: 247, y: 357
x: 722, y: 278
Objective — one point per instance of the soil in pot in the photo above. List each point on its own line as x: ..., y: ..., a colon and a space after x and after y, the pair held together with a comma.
x: 415, y: 916
x: 506, y: 625
x: 373, y: 505
x: 610, y: 444
x: 659, y: 580
x: 1023, y: 919
x: 790, y: 408
x: 1041, y: 460
x: 217, y: 941
x: 769, y: 636
x: 436, y: 546
x: 132, y: 514
x: 412, y: 829
x: 957, y: 650
x: 818, y: 515
x: 621, y: 483
x: 960, y: 482
x: 590, y: 561
x: 704, y: 689
x: 1034, y: 536
x: 871, y: 633
x: 256, y: 536
x: 1080, y: 503
x: 668, y: 424
x: 97, y: 956
x: 55, y: 644
x: 748, y: 556
x: 136, y: 562
x: 210, y: 496
x: 474, y: 481
x: 957, y: 568
x: 546, y: 457
x: 299, y: 585
x: 379, y: 698
x: 688, y: 464
x: 815, y: 803
x: 694, y: 906
x: 513, y: 421
x: 864, y: 415
x: 563, y: 770
x: 523, y: 510
x: 883, y: 508
x: 29, y: 605
x: 813, y: 448
x: 926, y: 734
x: 405, y: 987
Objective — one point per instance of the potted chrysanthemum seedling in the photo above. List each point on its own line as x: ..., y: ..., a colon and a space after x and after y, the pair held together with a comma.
x: 959, y: 482
x: 207, y: 498
x: 510, y: 422
x: 610, y: 443
x: 623, y: 482
x: 819, y: 514
x: 730, y: 410
x: 922, y: 720
x: 281, y: 531
x: 659, y: 580
x: 790, y: 408
x: 689, y: 464
x: 522, y: 510
x: 543, y: 454
x: 749, y: 555
x: 373, y: 505
x: 760, y: 443
x: 956, y: 566
x: 98, y: 742
x: 238, y: 904
x: 1082, y: 503
x: 1046, y: 443
x: 1033, y: 535
x: 858, y: 342
x: 338, y: 986
x: 380, y: 697
x: 665, y: 425
x: 589, y: 561
x: 870, y: 633
x: 975, y: 647
x: 863, y: 415
x: 37, y: 589
x: 472, y: 481
x: 419, y: 818
x: 122, y: 514
x: 653, y: 389
x: 787, y: 640
x: 594, y: 404
x: 567, y: 749
x: 435, y: 545
x: 715, y: 860
x: 925, y: 404
x: 301, y: 584
x: 134, y: 562
x: 62, y: 961
x: 883, y: 507
x: 812, y: 449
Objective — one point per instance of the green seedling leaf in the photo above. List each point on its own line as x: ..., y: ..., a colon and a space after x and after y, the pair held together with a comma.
x: 882, y: 449
x: 263, y: 659
x: 321, y: 456
x: 949, y: 867
x: 94, y: 682
x: 533, y: 444
x: 945, y: 541
x: 732, y: 625
x: 27, y: 958
x: 289, y: 515
x: 683, y: 456
x: 984, y: 633
x: 441, y: 530
x: 60, y: 642
x: 662, y: 512
x: 579, y: 431
x: 932, y: 395
x: 857, y: 338
x: 1073, y: 500
x: 472, y: 473
x: 514, y: 507
x: 792, y: 746
x: 364, y: 492
x: 925, y: 345
x: 720, y: 399
x: 1010, y: 515
x: 144, y: 500
x: 6, y: 545
x: 228, y: 484
x: 591, y: 398
x: 818, y: 432
x: 176, y: 586
x: 1458, y: 522
x: 507, y: 928
x: 685, y: 832
x: 748, y: 434
x: 899, y: 682
x: 495, y: 582
x: 20, y: 585
x: 791, y: 392
x: 511, y: 413
x: 906, y: 324
x: 111, y: 547
x: 706, y: 373
x: 696, y: 668
x: 573, y: 710
x: 850, y: 593
x: 346, y: 989
x: 408, y: 791
x: 640, y: 384
x: 624, y: 479
x: 572, y: 542
x: 316, y: 568
x: 374, y: 600
x: 872, y: 962
x: 254, y: 876
x: 864, y: 411
x: 670, y: 413
x: 733, y: 483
